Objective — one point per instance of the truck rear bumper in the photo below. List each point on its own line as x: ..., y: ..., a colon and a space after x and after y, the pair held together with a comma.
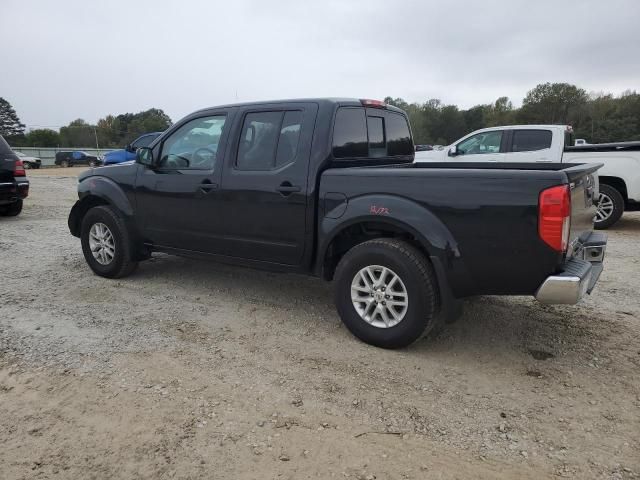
x: 579, y: 274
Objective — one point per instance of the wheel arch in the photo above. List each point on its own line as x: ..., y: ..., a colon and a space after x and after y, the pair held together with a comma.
x: 94, y: 191
x: 617, y: 183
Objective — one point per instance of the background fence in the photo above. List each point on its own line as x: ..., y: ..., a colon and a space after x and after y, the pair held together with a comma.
x: 48, y: 155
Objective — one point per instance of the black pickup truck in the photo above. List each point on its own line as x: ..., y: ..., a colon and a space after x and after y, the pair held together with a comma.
x: 14, y: 186
x: 328, y: 187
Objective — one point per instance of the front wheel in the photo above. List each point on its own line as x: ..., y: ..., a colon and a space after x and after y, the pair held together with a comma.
x: 64, y: 163
x: 610, y: 207
x: 106, y: 243
x: 92, y: 163
x: 386, y: 293
x: 26, y: 165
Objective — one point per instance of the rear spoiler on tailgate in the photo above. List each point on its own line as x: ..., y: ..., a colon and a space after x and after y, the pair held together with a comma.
x: 577, y: 170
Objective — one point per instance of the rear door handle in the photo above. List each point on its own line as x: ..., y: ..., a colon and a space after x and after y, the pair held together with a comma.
x: 206, y: 186
x: 286, y: 188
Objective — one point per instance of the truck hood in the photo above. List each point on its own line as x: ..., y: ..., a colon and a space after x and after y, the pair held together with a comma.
x: 432, y: 155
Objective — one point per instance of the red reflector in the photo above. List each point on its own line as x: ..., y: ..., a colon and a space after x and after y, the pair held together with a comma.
x: 372, y: 103
x: 554, y: 217
x: 18, y: 169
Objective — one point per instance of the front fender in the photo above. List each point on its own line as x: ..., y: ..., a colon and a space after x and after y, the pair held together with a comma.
x: 107, y: 190
x: 97, y: 190
x: 403, y: 214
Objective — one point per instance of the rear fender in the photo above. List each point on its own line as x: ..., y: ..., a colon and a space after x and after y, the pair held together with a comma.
x: 405, y: 215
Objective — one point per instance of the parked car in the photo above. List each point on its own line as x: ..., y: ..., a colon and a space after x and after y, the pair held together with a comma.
x: 328, y: 187
x: 29, y: 162
x: 129, y: 152
x: 619, y: 177
x: 71, y: 159
x: 14, y: 186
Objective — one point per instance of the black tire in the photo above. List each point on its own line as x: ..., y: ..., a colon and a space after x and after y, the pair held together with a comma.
x: 615, y: 197
x: 64, y: 164
x: 122, y: 263
x: 26, y: 165
x: 92, y: 163
x: 12, y: 210
x: 416, y: 274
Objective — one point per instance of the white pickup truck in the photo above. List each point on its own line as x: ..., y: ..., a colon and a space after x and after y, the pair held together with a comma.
x: 619, y: 178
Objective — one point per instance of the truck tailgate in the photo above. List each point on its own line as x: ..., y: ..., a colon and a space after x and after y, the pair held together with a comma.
x: 583, y: 182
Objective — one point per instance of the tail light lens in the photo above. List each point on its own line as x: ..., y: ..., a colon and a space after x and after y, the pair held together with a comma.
x: 18, y: 169
x: 554, y: 217
x: 366, y: 102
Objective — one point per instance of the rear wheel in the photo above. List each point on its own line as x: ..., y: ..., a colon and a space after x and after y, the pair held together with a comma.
x: 12, y: 210
x: 386, y: 293
x: 610, y: 207
x: 92, y: 163
x: 106, y: 243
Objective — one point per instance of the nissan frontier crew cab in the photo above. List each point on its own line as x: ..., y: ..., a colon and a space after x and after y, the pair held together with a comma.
x: 328, y: 187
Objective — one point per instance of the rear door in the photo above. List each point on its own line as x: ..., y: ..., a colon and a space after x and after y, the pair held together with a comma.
x: 530, y: 145
x: 264, y: 184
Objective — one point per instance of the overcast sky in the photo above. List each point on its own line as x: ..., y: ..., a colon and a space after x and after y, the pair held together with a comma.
x: 61, y: 60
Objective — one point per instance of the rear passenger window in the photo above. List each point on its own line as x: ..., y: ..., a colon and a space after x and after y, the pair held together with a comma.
x: 377, y: 143
x: 350, y: 133
x: 289, y: 136
x: 372, y: 133
x: 269, y: 140
x: 398, y: 135
x: 531, y: 140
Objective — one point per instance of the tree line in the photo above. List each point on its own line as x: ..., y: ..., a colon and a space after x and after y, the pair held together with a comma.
x: 596, y: 117
x: 112, y: 131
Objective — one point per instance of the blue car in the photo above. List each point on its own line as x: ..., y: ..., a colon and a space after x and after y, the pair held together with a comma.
x: 129, y: 152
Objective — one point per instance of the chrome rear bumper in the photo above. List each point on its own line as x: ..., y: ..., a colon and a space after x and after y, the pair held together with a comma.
x: 579, y: 274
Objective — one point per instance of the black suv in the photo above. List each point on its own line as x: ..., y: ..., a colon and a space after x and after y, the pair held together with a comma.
x: 14, y: 186
x: 70, y: 159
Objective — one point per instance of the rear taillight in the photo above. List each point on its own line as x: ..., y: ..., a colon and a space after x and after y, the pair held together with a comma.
x: 18, y: 169
x: 554, y: 217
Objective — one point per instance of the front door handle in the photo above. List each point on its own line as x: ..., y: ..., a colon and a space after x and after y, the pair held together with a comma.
x: 286, y: 188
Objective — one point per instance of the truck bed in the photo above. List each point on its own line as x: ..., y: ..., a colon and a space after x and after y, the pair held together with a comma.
x: 484, y: 215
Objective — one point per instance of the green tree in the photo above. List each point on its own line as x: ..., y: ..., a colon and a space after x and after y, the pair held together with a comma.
x: 500, y: 113
x: 10, y: 125
x: 42, y: 137
x: 552, y: 103
x: 78, y: 134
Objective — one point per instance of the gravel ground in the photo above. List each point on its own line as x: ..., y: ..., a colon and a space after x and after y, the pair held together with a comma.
x: 197, y: 370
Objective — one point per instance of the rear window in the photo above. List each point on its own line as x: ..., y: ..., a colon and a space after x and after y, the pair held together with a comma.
x: 531, y: 140
x: 370, y: 133
x: 4, y: 146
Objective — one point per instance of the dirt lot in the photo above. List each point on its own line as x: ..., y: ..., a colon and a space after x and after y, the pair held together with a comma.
x: 196, y: 370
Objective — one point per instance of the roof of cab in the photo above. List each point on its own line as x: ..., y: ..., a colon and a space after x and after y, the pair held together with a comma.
x: 352, y: 102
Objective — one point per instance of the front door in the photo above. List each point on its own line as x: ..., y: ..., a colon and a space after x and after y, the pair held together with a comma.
x: 178, y: 199
x: 482, y: 147
x: 264, y: 185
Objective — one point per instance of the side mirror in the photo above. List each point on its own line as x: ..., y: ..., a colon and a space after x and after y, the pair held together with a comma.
x: 453, y: 151
x: 144, y: 156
